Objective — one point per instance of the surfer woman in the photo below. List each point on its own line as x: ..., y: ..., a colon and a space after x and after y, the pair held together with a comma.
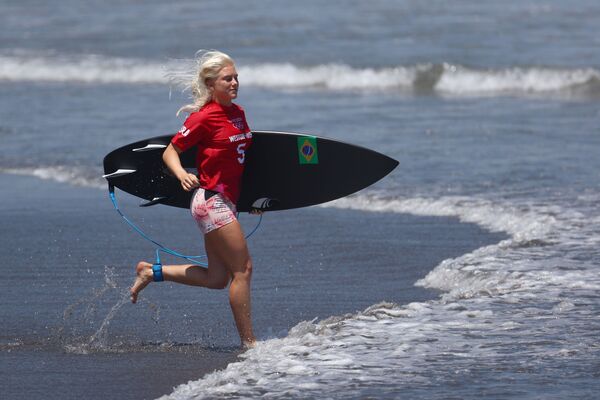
x: 219, y: 128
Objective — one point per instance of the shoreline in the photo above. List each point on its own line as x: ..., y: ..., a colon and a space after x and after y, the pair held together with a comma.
x: 69, y: 245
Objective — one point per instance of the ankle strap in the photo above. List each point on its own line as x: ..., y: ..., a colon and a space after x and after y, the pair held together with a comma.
x: 157, y: 273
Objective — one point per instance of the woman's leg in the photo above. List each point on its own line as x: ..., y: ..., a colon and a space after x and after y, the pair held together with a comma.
x: 228, y: 245
x: 228, y: 258
x: 216, y: 276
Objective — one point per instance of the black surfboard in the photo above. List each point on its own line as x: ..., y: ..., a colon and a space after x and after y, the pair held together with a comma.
x: 283, y: 171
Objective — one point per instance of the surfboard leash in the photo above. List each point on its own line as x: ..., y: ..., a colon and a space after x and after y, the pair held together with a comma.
x: 159, y: 247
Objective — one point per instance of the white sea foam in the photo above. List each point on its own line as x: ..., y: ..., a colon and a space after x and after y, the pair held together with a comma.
x: 443, y: 78
x: 77, y: 176
x: 461, y: 80
x: 86, y: 69
x: 522, y: 291
x: 330, y: 76
x: 520, y: 222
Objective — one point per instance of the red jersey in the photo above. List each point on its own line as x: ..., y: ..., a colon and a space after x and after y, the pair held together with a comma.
x: 223, y: 136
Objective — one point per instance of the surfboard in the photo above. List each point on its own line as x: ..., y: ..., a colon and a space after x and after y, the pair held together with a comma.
x: 282, y: 171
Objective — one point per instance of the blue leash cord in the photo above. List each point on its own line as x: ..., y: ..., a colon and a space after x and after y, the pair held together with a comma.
x: 160, y: 247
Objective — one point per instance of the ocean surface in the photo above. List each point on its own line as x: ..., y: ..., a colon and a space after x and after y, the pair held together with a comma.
x: 472, y: 271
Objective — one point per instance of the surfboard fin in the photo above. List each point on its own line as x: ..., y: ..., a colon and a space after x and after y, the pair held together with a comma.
x: 150, y: 146
x: 265, y: 203
x: 156, y: 200
x: 119, y: 172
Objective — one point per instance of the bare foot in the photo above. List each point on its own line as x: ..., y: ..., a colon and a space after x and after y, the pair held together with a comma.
x: 143, y: 278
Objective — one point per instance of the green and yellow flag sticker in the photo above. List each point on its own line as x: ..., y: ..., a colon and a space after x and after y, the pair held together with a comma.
x: 307, y: 150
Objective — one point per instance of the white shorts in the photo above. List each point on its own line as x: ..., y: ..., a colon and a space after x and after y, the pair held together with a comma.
x: 211, y: 210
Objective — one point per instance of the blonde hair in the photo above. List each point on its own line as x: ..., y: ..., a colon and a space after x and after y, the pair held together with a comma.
x: 206, y: 66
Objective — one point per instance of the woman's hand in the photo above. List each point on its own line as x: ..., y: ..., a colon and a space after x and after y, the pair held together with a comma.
x: 189, y: 181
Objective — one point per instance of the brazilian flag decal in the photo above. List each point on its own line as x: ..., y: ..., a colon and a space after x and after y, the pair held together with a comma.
x: 307, y: 150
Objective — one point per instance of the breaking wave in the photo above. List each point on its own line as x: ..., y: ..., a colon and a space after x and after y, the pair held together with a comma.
x: 444, y: 78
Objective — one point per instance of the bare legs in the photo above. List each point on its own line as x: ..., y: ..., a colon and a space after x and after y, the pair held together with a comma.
x: 228, y: 246
x: 228, y: 261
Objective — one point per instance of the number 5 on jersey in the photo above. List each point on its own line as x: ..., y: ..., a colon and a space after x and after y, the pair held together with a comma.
x: 242, y: 152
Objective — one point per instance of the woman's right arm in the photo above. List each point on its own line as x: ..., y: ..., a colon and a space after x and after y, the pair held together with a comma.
x: 171, y: 158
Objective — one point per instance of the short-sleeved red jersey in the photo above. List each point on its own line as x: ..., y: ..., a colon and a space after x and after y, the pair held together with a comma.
x: 223, y: 136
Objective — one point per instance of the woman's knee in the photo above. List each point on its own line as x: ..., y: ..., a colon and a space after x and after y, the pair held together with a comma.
x: 249, y: 268
x: 244, y: 271
x: 219, y: 283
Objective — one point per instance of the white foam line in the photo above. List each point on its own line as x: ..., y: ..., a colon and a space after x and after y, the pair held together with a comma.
x: 521, y: 224
x: 86, y: 69
x: 71, y: 175
x: 443, y: 78
x: 462, y: 80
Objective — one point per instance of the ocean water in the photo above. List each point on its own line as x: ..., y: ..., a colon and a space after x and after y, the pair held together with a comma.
x: 492, y: 109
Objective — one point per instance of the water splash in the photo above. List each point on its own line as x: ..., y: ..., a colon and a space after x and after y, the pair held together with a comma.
x: 99, y: 340
x: 83, y: 314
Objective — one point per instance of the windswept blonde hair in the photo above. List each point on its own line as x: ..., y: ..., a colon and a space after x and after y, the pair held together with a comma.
x: 206, y: 66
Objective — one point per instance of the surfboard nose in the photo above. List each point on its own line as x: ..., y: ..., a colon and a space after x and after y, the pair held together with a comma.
x: 302, y: 170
